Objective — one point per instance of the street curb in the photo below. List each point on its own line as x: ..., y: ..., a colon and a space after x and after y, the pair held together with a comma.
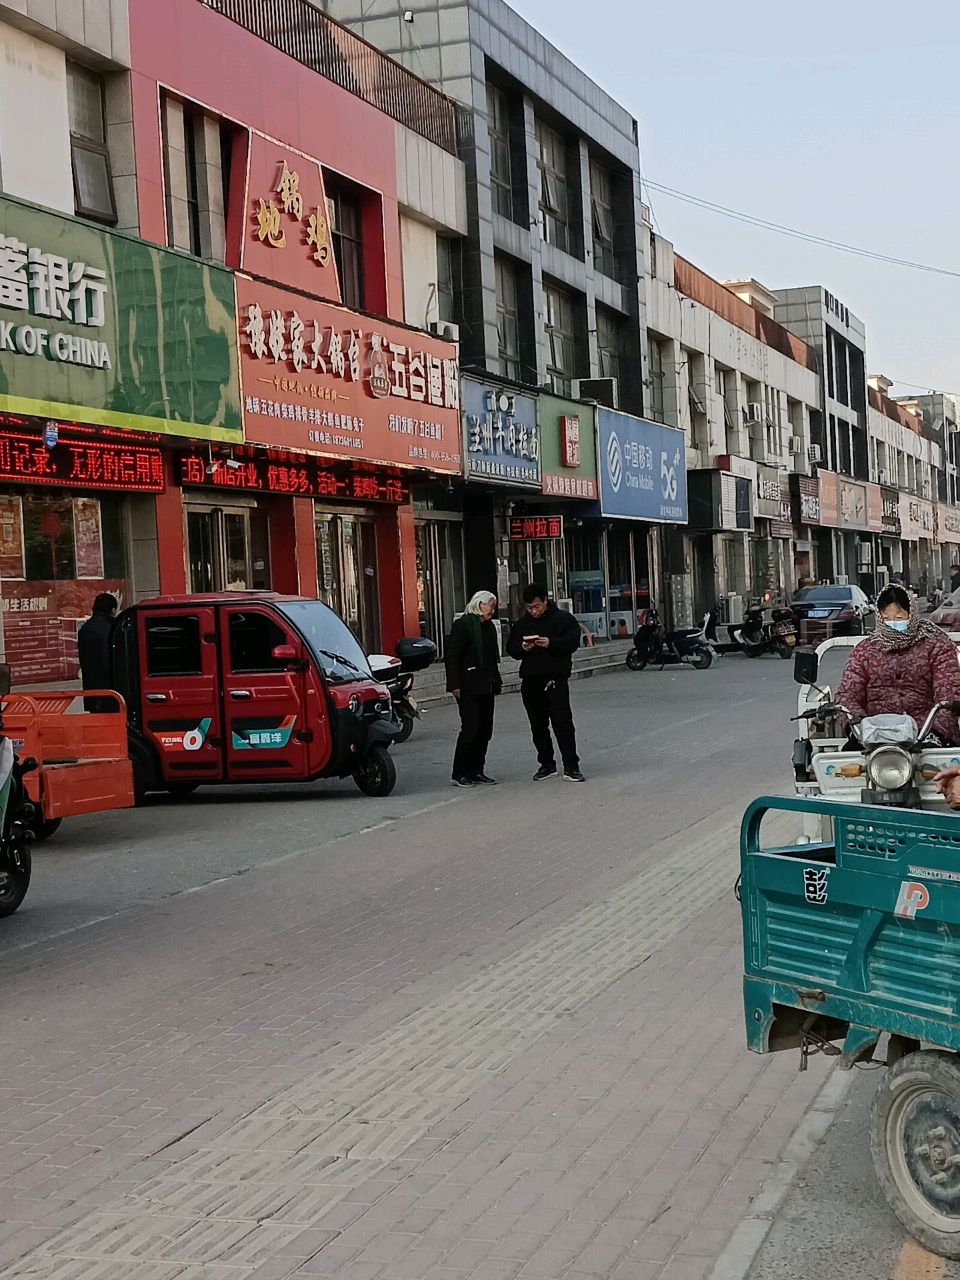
x: 743, y: 1246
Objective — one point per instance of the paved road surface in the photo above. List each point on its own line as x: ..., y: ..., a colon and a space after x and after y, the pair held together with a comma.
x: 452, y: 1035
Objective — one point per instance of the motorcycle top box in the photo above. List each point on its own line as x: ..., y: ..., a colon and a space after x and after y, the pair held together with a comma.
x: 243, y: 687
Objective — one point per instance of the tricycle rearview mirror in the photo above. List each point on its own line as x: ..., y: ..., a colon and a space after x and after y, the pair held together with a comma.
x: 4, y: 679
x: 284, y: 653
x: 806, y: 666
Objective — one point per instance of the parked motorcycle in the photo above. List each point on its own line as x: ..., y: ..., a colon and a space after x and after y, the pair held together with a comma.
x: 756, y: 636
x: 397, y: 673
x: 653, y: 646
x: 16, y: 813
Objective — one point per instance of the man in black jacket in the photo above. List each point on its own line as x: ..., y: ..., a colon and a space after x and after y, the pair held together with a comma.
x: 93, y: 650
x: 545, y: 640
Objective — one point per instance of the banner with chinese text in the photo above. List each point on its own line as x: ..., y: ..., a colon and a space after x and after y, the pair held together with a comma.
x: 501, y: 435
x: 101, y: 328
x: 317, y: 377
x: 568, y: 448
x: 286, y: 234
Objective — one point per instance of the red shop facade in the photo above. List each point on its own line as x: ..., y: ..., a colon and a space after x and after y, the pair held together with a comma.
x: 344, y: 407
x: 69, y: 499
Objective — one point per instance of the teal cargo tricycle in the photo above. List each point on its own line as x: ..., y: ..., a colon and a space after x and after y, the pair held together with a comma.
x: 854, y: 938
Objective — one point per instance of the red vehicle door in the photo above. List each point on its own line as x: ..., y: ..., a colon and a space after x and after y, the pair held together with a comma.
x: 180, y: 689
x: 264, y: 687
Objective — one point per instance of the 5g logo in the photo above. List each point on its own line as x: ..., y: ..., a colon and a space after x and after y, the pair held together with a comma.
x: 668, y: 476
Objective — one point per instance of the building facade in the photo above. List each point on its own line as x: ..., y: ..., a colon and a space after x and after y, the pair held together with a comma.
x: 551, y: 299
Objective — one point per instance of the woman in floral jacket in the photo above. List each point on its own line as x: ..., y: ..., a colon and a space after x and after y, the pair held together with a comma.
x: 906, y: 666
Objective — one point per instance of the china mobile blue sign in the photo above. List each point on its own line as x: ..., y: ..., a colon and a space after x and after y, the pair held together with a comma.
x: 501, y: 436
x: 643, y: 469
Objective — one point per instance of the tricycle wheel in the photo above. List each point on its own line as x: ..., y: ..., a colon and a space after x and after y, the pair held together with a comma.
x: 406, y: 728
x: 44, y: 830
x: 635, y: 662
x: 703, y: 660
x: 377, y: 775
x: 915, y: 1144
x: 14, y: 885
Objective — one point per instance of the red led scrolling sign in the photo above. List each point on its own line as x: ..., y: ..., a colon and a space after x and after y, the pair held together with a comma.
x: 293, y: 475
x: 80, y: 464
x: 536, y: 528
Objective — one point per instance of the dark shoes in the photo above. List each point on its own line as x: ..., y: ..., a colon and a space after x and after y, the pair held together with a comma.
x: 464, y: 782
x: 482, y: 778
x: 545, y: 771
x: 573, y: 775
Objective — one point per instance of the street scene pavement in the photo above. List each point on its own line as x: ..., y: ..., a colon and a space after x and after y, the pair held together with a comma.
x: 450, y: 1035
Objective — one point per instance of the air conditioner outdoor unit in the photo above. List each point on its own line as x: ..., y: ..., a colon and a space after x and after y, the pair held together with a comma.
x: 794, y: 445
x: 754, y: 411
x: 446, y: 330
x: 734, y: 608
x: 603, y: 391
x: 813, y: 453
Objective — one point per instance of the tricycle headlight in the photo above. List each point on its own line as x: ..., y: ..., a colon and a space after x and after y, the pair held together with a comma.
x: 890, y: 768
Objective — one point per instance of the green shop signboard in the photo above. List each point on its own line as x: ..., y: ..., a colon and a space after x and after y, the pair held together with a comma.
x: 568, y: 448
x: 102, y: 328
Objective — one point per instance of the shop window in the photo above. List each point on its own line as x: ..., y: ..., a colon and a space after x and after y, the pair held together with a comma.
x: 253, y: 638
x: 173, y: 646
x: 601, y: 206
x: 92, y: 179
x: 48, y: 539
x: 508, y: 318
x: 501, y: 168
x: 345, y: 213
x: 554, y: 188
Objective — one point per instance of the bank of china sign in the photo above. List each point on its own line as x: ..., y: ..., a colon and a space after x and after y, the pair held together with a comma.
x: 51, y: 288
x: 102, y: 328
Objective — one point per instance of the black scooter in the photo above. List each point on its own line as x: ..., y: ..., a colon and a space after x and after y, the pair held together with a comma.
x: 653, y: 646
x: 413, y: 654
x: 755, y: 636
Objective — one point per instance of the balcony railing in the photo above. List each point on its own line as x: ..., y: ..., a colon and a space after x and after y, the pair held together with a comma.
x: 299, y: 29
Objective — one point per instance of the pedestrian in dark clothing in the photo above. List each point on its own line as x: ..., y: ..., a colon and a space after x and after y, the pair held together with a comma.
x: 93, y: 649
x: 545, y: 640
x: 472, y: 659
x: 954, y: 578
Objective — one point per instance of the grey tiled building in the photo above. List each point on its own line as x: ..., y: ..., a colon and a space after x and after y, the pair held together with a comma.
x: 548, y: 285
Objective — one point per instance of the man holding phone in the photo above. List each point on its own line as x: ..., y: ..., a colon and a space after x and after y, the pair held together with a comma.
x: 545, y: 639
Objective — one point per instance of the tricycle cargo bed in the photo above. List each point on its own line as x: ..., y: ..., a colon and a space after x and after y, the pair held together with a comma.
x: 855, y: 937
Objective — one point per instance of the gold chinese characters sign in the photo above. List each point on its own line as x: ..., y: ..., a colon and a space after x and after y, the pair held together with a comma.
x: 324, y: 379
x: 287, y: 234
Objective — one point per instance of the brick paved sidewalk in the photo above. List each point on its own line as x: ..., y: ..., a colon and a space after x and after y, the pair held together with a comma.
x: 580, y: 1107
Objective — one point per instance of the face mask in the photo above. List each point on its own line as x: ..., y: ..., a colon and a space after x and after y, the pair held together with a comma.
x: 897, y: 624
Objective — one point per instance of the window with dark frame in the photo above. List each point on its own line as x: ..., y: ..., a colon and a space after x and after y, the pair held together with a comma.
x: 93, y: 195
x: 192, y: 122
x: 345, y: 214
x: 508, y: 318
x: 501, y: 166
x: 173, y: 645
x: 253, y: 638
x: 554, y: 189
x: 560, y: 329
x: 601, y: 206
x: 609, y: 343
x: 448, y: 263
x: 655, y: 360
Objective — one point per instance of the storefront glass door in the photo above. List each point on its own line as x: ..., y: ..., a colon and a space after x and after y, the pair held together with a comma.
x: 441, y: 580
x: 226, y: 549
x: 347, y: 573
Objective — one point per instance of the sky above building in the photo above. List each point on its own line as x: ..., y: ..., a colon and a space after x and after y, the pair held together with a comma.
x: 837, y: 118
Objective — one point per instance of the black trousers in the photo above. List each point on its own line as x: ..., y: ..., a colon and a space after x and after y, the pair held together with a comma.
x: 476, y: 730
x: 547, y: 703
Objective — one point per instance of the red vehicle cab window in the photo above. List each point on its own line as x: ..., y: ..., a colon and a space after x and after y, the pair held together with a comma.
x: 173, y: 645
x: 253, y: 638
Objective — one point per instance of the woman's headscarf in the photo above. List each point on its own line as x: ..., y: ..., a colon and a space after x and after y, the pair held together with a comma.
x: 918, y: 628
